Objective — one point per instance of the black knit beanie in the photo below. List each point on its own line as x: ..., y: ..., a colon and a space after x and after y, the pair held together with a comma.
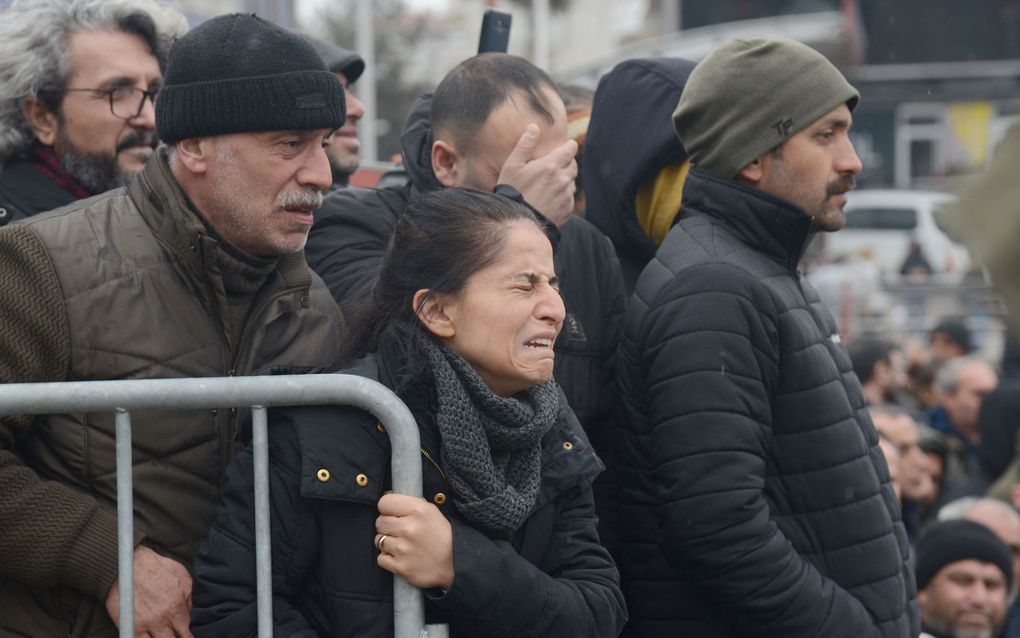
x: 946, y: 542
x: 749, y: 96
x: 239, y: 73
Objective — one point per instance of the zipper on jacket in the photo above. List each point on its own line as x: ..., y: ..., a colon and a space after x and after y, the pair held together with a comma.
x: 436, y: 465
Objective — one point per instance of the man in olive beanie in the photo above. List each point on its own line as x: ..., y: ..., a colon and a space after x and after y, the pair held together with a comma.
x: 195, y: 269
x: 759, y: 497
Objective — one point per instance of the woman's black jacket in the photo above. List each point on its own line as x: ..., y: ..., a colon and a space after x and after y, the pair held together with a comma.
x: 553, y: 578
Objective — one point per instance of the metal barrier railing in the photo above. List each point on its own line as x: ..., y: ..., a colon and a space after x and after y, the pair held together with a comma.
x: 259, y: 393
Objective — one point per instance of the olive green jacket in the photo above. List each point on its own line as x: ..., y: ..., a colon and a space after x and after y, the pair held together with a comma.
x: 127, y: 285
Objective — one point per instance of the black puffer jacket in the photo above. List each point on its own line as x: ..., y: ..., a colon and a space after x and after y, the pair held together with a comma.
x: 24, y: 192
x: 551, y: 579
x: 629, y: 140
x: 348, y: 240
x: 757, y: 498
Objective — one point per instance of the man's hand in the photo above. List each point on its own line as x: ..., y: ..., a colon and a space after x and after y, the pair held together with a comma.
x: 162, y: 596
x: 546, y: 182
x: 416, y: 541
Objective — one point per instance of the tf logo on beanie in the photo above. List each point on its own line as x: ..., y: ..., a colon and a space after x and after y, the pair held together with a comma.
x: 947, y: 542
x: 239, y: 73
x: 749, y: 96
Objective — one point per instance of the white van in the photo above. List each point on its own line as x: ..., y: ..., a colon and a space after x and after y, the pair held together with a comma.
x: 881, y: 224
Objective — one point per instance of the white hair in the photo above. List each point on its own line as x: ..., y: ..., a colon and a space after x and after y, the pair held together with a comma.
x: 34, y: 37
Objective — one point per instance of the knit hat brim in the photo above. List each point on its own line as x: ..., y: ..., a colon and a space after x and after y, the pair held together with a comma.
x: 296, y: 101
x: 749, y: 96
x: 947, y: 542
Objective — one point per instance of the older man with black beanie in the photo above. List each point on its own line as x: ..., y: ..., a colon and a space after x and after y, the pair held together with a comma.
x: 759, y: 500
x: 195, y: 269
x: 964, y: 576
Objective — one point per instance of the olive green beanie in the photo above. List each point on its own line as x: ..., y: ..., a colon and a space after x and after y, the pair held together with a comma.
x: 750, y: 95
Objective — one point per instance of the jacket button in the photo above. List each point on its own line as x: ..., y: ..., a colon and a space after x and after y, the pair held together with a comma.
x: 361, y: 480
x: 3, y: 213
x: 322, y: 475
x: 439, y: 498
x: 567, y: 445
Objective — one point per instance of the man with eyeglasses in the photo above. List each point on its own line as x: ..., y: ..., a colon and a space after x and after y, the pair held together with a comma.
x: 78, y: 82
x: 195, y: 269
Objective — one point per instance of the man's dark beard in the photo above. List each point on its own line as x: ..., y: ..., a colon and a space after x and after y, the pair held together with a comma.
x: 99, y: 172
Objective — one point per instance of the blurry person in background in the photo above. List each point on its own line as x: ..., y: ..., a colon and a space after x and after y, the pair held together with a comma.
x: 917, y: 487
x: 963, y: 383
x: 964, y: 576
x: 78, y: 81
x: 343, y: 149
x: 881, y: 369
x: 949, y: 339
x: 915, y: 267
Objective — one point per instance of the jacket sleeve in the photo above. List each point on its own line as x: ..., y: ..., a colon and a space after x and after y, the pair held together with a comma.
x: 346, y: 244
x: 575, y: 592
x: 52, y: 535
x: 710, y: 362
x: 224, y: 580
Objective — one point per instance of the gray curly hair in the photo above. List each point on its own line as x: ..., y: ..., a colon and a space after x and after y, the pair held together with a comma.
x: 34, y: 37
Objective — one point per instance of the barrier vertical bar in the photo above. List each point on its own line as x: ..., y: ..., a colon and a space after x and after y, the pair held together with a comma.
x: 125, y: 525
x: 263, y: 555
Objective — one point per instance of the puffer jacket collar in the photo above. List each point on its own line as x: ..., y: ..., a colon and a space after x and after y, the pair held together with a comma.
x: 167, y: 210
x: 766, y: 223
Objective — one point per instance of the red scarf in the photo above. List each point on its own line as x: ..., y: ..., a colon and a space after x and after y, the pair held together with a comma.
x: 45, y: 160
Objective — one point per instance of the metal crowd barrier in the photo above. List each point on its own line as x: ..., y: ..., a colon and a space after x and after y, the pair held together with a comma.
x: 258, y: 393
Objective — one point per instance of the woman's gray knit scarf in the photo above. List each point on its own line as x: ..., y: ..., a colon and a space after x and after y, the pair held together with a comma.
x: 491, y: 445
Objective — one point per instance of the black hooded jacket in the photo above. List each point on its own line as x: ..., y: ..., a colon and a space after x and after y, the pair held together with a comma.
x: 629, y: 140
x: 755, y: 492
x: 351, y: 231
x: 24, y: 192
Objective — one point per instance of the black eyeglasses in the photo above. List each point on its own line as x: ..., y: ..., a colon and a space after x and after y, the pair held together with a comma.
x: 126, y: 102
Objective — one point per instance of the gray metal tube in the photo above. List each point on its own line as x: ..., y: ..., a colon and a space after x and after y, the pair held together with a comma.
x: 125, y: 525
x: 263, y: 555
x: 222, y: 392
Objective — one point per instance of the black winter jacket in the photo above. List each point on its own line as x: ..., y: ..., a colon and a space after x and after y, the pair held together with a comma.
x: 757, y: 498
x: 628, y: 142
x: 24, y: 192
x: 347, y: 242
x: 551, y: 579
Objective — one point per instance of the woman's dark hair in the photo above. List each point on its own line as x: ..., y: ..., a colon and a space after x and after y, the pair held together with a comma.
x: 441, y: 239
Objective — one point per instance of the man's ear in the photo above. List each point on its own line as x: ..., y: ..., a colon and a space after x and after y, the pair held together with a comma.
x: 753, y: 172
x: 446, y: 163
x: 431, y: 311
x: 195, y: 154
x: 41, y: 120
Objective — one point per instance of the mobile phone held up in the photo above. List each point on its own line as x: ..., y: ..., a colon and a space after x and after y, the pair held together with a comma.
x: 495, y: 36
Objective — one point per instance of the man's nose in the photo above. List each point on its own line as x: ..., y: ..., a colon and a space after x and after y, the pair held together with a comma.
x: 146, y: 117
x: 848, y: 162
x: 355, y: 109
x: 316, y: 171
